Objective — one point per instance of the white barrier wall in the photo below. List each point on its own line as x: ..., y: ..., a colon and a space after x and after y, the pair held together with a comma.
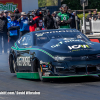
x: 28, y: 5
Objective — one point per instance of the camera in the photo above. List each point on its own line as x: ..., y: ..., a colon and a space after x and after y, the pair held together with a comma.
x: 30, y: 15
x: 44, y: 11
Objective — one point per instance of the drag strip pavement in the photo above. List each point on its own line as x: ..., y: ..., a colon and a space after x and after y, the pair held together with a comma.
x: 84, y: 88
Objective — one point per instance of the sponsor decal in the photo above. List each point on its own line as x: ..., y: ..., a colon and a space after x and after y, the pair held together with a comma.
x: 47, y: 73
x: 78, y: 47
x: 73, y: 40
x: 10, y: 5
x: 57, y: 45
x: 45, y: 68
x: 23, y: 61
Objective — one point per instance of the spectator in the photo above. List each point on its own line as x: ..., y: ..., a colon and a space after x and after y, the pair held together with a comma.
x: 64, y: 19
x: 40, y: 20
x: 17, y: 14
x: 48, y: 21
x: 23, y: 21
x: 73, y: 23
x: 13, y: 28
x: 94, y: 15
x: 98, y: 17
x: 33, y: 13
x: 6, y: 15
x: 9, y: 13
x: 78, y: 20
x: 3, y: 32
x: 54, y: 18
x: 89, y: 17
x: 34, y: 22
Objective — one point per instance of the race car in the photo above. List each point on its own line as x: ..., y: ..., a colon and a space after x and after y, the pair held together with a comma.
x: 58, y: 53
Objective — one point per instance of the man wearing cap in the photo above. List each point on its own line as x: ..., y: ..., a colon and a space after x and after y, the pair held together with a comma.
x: 3, y: 32
x: 64, y: 18
x: 23, y: 21
x: 6, y: 15
x: 17, y: 14
x: 13, y: 28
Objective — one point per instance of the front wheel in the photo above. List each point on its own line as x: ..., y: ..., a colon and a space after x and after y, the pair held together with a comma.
x: 11, y: 65
x: 15, y: 66
x: 40, y: 75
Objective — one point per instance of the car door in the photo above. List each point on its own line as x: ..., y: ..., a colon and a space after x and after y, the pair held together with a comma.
x: 23, y: 54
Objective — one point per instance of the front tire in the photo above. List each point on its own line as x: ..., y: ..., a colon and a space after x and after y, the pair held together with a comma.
x: 11, y: 65
x: 15, y: 66
x: 40, y: 75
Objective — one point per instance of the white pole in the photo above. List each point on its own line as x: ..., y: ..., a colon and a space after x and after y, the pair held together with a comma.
x: 84, y: 18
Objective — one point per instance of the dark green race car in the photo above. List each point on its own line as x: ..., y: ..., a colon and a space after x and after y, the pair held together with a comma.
x: 54, y: 54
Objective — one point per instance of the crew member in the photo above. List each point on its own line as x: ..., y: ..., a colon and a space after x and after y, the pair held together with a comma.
x: 17, y: 14
x: 40, y: 20
x: 13, y: 28
x: 23, y: 21
x: 6, y: 15
x: 54, y: 18
x: 3, y: 33
x: 64, y: 18
x: 48, y: 21
x: 34, y: 21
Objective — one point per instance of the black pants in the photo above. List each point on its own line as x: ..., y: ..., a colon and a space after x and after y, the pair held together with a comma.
x: 23, y: 32
x: 12, y: 40
x: 3, y: 42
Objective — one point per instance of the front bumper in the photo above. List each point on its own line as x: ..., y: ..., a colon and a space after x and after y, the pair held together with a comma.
x: 72, y: 69
x: 70, y: 76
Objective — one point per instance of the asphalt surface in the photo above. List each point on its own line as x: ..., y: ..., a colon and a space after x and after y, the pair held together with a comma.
x: 84, y: 88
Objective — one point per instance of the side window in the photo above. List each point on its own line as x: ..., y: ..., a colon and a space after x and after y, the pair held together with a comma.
x: 19, y: 42
x: 26, y: 40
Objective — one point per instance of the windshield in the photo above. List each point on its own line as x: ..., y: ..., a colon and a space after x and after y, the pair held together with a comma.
x: 45, y: 37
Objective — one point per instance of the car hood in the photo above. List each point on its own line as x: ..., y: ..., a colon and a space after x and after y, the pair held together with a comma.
x: 72, y: 47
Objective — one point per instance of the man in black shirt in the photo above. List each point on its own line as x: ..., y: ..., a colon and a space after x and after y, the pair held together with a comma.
x: 17, y: 14
x: 89, y: 16
x: 48, y: 21
x: 55, y: 22
x: 95, y: 15
x: 98, y: 17
x: 3, y: 33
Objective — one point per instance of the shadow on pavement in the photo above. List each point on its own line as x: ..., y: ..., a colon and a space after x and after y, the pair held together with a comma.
x: 76, y: 80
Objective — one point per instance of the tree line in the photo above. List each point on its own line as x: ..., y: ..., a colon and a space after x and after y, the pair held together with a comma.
x: 72, y: 4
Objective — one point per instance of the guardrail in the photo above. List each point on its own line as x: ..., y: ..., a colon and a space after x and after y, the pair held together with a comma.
x: 92, y: 26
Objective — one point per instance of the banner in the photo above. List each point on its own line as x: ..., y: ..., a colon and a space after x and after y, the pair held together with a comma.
x: 10, y: 5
